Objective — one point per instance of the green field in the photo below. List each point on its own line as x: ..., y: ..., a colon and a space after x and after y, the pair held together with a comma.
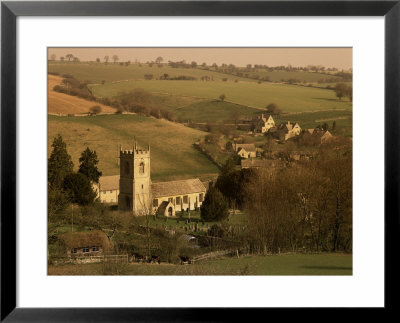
x: 285, y: 264
x: 280, y: 76
x: 198, y: 101
x: 97, y: 72
x: 172, y: 153
x: 290, y: 98
x: 213, y: 111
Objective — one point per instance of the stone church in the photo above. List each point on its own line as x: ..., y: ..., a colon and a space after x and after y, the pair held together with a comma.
x: 136, y: 192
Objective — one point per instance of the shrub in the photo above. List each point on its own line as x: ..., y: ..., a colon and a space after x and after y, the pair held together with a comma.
x: 215, y: 206
x: 95, y: 109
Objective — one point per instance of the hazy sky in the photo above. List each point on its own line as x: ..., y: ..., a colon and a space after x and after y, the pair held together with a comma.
x: 328, y: 57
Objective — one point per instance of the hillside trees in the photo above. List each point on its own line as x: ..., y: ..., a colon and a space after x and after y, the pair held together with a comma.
x: 231, y: 182
x: 159, y: 60
x: 343, y: 90
x: 309, y: 206
x: 215, y: 206
x: 115, y: 58
x: 88, y: 165
x: 222, y: 97
x: 106, y: 59
x: 272, y: 108
x: 79, y: 189
x: 59, y: 163
x: 95, y: 109
x: 69, y: 56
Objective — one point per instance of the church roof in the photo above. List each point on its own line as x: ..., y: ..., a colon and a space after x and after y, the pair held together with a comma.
x: 109, y: 183
x: 160, y: 189
x: 171, y: 188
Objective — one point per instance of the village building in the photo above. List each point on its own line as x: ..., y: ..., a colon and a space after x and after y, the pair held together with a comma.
x: 290, y: 130
x: 82, y: 244
x: 326, y: 137
x: 246, y: 150
x: 323, y: 136
x: 135, y: 192
x: 108, y: 189
x: 263, y: 123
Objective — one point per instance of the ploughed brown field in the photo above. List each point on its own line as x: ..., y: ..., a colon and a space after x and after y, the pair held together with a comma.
x: 60, y: 103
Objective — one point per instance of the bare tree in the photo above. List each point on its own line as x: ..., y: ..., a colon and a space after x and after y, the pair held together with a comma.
x: 115, y: 58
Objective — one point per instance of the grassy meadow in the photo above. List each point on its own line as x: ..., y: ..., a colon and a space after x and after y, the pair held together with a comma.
x: 172, y: 153
x: 198, y: 101
x: 98, y: 72
x: 284, y: 264
x: 290, y: 98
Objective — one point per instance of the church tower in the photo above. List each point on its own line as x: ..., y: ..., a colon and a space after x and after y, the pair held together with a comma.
x: 134, y: 181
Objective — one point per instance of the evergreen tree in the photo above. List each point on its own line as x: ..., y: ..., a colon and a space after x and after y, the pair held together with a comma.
x: 79, y: 189
x: 59, y: 163
x: 88, y: 165
x: 215, y: 206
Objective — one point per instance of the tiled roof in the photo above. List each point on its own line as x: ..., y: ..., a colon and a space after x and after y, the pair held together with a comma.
x: 107, y: 183
x: 181, y: 187
x: 247, y: 147
x: 186, y: 186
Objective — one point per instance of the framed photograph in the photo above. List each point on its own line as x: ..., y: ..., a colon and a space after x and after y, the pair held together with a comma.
x: 168, y: 160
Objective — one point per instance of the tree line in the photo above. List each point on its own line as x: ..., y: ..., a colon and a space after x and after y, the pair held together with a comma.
x: 306, y: 206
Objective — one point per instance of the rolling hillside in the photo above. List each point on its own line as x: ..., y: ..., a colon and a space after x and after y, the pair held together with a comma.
x: 97, y: 72
x: 60, y: 103
x: 172, y: 153
x: 290, y: 98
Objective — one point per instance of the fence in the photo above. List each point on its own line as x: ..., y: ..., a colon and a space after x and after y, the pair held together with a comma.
x: 104, y: 258
x: 214, y: 254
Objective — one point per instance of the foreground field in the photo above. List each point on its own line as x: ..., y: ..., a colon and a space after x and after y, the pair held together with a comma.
x: 290, y: 98
x: 285, y: 264
x: 60, y: 103
x: 172, y: 153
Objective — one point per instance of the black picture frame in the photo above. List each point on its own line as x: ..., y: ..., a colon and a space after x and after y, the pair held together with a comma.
x: 9, y: 13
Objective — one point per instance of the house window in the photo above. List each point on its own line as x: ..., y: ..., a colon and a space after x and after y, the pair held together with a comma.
x: 95, y: 248
x: 85, y: 249
x: 141, y: 168
x: 171, y: 199
x: 178, y: 200
x: 201, y: 197
x: 155, y: 203
x: 112, y: 200
x: 74, y: 250
x: 185, y: 199
x: 111, y: 192
x: 104, y: 192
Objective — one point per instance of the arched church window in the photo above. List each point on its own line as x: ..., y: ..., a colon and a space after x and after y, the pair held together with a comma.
x: 141, y: 168
x: 127, y: 168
